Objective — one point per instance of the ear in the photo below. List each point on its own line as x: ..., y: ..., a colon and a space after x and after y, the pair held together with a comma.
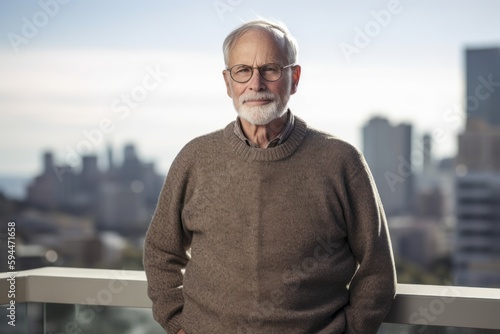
x: 295, y: 78
x: 227, y: 80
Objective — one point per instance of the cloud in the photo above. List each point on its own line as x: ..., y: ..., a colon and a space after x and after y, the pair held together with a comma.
x: 60, y: 94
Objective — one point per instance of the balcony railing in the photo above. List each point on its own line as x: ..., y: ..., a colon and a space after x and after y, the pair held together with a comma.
x: 418, y: 306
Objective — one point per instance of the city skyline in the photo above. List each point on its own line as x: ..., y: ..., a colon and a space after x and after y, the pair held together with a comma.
x: 450, y: 212
x: 80, y: 76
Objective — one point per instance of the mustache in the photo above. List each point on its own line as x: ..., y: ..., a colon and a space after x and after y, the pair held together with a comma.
x: 257, y: 96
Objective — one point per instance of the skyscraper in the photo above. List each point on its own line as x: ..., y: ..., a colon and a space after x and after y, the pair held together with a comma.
x: 387, y: 149
x: 479, y: 145
x: 483, y: 86
x: 477, y: 251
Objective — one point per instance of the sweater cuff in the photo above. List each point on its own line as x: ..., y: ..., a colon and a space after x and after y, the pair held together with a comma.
x: 174, y: 324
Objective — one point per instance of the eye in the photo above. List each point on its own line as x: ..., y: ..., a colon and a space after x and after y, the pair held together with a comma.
x: 241, y: 69
x: 270, y: 68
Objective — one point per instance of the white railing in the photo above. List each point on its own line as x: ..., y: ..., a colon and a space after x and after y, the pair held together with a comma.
x: 414, y: 304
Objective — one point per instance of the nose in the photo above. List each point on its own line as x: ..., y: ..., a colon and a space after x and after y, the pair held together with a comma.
x: 256, y: 82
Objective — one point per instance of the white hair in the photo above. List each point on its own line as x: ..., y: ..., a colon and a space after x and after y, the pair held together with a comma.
x: 277, y: 29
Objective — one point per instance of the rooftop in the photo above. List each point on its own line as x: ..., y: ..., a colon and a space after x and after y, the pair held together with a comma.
x: 415, y: 305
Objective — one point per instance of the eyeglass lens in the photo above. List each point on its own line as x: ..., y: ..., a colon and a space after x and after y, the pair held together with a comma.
x: 243, y: 73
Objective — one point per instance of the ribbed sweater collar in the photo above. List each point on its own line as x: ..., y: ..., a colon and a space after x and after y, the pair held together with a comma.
x: 279, y: 152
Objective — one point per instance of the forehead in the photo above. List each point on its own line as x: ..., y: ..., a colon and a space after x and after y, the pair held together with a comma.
x: 257, y: 47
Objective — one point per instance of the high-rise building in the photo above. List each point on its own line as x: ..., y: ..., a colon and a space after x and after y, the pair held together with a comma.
x: 387, y: 149
x: 427, y: 153
x: 430, y: 185
x: 483, y: 86
x: 477, y: 250
x: 477, y: 253
x: 479, y: 145
x: 48, y: 190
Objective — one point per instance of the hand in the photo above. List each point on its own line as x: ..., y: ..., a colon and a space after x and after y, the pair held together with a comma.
x: 181, y: 332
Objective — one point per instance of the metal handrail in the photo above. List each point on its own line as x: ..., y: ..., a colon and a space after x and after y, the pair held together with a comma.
x: 424, y: 305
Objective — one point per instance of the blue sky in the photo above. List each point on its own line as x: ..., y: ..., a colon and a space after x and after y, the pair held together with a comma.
x: 65, y: 81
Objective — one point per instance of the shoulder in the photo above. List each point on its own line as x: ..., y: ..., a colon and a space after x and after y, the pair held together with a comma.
x: 338, y: 158
x: 198, y: 149
x: 333, y: 146
x: 203, y: 142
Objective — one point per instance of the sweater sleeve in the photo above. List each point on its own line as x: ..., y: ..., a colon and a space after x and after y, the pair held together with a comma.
x: 373, y: 287
x: 166, y: 250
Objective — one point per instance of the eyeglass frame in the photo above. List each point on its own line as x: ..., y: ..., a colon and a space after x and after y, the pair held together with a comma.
x: 259, y: 68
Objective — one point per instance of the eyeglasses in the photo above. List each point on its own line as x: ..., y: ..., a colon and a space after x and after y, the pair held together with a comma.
x: 270, y: 72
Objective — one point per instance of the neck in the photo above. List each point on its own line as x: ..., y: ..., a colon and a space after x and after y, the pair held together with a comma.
x: 262, y: 135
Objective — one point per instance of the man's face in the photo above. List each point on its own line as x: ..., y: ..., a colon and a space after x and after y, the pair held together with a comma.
x: 259, y: 101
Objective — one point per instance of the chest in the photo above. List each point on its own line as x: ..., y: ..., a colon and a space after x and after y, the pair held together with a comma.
x: 277, y: 208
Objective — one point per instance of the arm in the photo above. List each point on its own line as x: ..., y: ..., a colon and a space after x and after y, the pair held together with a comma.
x: 373, y: 287
x: 165, y: 252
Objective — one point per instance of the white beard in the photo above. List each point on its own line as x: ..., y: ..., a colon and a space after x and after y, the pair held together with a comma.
x: 262, y: 115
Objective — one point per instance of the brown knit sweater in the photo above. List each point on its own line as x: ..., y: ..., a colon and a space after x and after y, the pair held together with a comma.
x: 290, y: 239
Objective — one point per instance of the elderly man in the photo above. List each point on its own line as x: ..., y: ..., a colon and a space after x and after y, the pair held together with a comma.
x: 268, y: 225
